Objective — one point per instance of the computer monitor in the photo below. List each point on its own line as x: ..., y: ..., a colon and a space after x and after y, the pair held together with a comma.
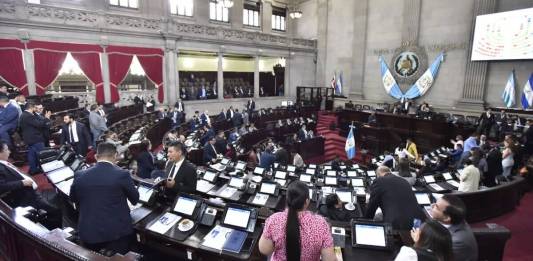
x: 358, y: 182
x: 185, y: 205
x: 236, y: 182
x: 423, y: 198
x: 447, y: 176
x: 268, y: 188
x: 281, y: 174
x: 259, y: 170
x: 344, y: 195
x: 209, y: 176
x: 331, y: 173
x: 369, y: 235
x: 371, y: 173
x: 312, y: 166
x: 310, y: 171
x: 60, y: 174
x: 429, y: 179
x: 224, y: 161
x: 236, y: 217
x: 145, y: 194
x: 76, y: 164
x: 291, y: 168
x: 351, y: 173
x: 327, y: 167
x: 240, y: 165
x: 305, y: 178
x: 330, y: 181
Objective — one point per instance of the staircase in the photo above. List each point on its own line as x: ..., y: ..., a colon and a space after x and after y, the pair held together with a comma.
x: 334, y: 143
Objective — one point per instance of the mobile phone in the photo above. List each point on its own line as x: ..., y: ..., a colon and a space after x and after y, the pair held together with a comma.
x: 416, y: 223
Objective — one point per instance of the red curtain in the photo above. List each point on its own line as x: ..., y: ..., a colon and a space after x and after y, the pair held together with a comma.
x: 119, y: 64
x: 12, y: 65
x: 47, y: 66
x: 153, y: 67
x: 90, y: 65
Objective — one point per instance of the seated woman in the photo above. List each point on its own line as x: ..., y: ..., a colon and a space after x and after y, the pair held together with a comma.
x: 334, y: 210
x: 297, y: 234
x: 145, y: 160
x: 432, y: 242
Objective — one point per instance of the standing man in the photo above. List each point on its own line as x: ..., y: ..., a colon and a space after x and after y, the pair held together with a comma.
x: 39, y: 109
x: 75, y: 134
x: 97, y: 123
x: 100, y: 194
x: 180, y: 107
x: 8, y: 119
x: 250, y: 106
x: 450, y: 211
x: 229, y: 113
x: 180, y: 173
x: 396, y: 199
x: 237, y: 119
x: 32, y: 133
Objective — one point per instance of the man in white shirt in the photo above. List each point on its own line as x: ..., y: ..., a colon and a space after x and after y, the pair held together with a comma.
x: 469, y: 179
x: 19, y: 190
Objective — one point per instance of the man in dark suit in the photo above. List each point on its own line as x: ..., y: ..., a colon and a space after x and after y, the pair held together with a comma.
x: 19, y: 190
x: 180, y: 107
x: 450, y: 211
x: 8, y: 119
x: 250, y: 106
x: 230, y: 113
x: 210, y: 153
x: 221, y: 116
x: 302, y: 133
x: 267, y: 159
x: 101, y: 194
x: 237, y: 118
x: 396, y: 199
x: 180, y: 173
x: 39, y: 109
x: 220, y: 142
x: 75, y: 134
x: 32, y: 126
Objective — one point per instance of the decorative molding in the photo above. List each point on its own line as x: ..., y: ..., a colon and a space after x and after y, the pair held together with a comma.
x: 59, y: 17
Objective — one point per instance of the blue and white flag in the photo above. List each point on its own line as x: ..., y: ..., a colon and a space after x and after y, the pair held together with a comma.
x: 350, y: 145
x: 338, y: 85
x: 425, y: 81
x: 391, y: 87
x: 527, y: 93
x: 508, y: 94
x: 333, y: 81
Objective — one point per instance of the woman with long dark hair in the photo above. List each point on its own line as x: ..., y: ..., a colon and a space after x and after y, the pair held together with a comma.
x: 297, y: 234
x: 433, y: 242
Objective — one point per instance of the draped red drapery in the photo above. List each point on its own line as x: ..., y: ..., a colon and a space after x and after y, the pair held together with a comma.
x: 12, y: 65
x: 90, y: 65
x: 119, y: 65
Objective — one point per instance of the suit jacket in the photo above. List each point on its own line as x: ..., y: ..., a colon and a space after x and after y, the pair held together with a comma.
x: 32, y: 127
x: 203, y: 118
x: 220, y: 145
x: 84, y: 138
x: 394, y: 196
x: 9, y: 117
x: 145, y: 164
x: 228, y: 114
x: 267, y: 160
x: 221, y: 116
x: 302, y: 135
x: 97, y: 122
x: 209, y: 153
x: 11, y: 185
x: 250, y: 105
x: 185, y: 178
x: 464, y: 244
x: 237, y: 119
x: 100, y: 194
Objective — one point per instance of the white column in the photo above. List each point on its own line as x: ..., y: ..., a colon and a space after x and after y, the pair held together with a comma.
x: 171, y: 72
x: 266, y: 21
x: 256, y: 77
x: 236, y: 14
x: 29, y: 68
x: 287, y: 87
x: 220, y: 76
x: 104, y: 60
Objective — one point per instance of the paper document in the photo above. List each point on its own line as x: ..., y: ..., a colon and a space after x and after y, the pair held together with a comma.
x: 228, y: 192
x: 164, y: 223
x: 204, y: 186
x: 260, y: 199
x: 216, y: 237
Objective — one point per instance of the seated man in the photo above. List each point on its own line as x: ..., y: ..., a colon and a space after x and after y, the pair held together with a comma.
x: 450, y: 211
x: 19, y: 190
x: 334, y: 209
x: 210, y: 153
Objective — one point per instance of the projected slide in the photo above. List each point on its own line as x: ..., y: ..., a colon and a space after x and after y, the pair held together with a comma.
x: 504, y: 36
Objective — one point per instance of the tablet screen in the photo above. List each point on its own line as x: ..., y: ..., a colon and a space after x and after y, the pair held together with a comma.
x: 352, y: 173
x: 429, y: 179
x: 422, y: 198
x: 224, y: 161
x: 281, y: 174
x: 236, y: 182
x: 259, y: 170
x: 331, y: 181
x: 371, y: 173
x: 240, y: 165
x: 291, y: 168
x: 305, y: 178
x: 358, y: 183
x: 237, y: 217
x: 185, y: 206
x: 310, y: 171
x: 312, y: 166
x: 327, y: 167
x: 209, y: 176
x: 447, y: 176
x: 344, y: 196
x: 268, y: 188
x: 370, y: 235
x: 60, y: 174
x: 75, y: 164
x: 331, y: 173
x: 145, y: 193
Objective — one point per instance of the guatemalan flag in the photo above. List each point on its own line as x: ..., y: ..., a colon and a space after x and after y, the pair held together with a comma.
x: 333, y: 81
x: 508, y: 94
x: 350, y: 145
x: 338, y: 86
x: 425, y: 81
x: 527, y: 94
x: 391, y: 87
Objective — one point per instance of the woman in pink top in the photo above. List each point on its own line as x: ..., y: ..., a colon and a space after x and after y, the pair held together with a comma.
x: 297, y: 234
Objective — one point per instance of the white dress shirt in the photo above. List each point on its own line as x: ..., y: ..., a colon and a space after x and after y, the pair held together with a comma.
x: 74, y: 131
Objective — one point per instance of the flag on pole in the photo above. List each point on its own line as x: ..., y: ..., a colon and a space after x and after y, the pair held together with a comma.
x: 508, y: 94
x: 391, y: 87
x: 350, y: 144
x: 338, y: 86
x: 527, y: 93
x: 333, y: 81
x: 425, y: 81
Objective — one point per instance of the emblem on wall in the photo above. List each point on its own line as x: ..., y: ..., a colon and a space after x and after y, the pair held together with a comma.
x: 408, y: 64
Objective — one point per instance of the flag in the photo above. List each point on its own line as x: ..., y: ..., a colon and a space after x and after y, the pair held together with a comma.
x: 508, y: 94
x: 338, y: 86
x: 425, y: 81
x: 527, y: 94
x: 391, y: 87
x: 333, y: 81
x: 350, y: 145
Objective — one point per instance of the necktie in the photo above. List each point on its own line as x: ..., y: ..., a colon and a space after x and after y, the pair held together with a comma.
x: 71, y: 134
